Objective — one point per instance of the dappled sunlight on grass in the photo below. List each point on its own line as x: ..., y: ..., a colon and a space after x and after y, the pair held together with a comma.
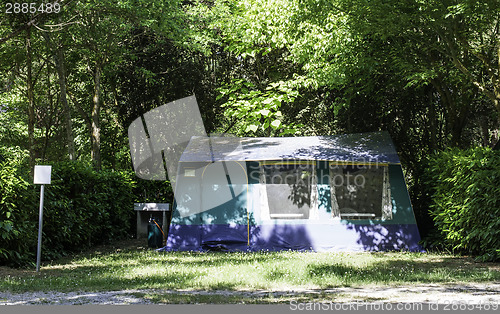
x: 148, y: 269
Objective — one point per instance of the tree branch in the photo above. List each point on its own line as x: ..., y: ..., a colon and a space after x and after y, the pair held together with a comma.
x: 461, y: 67
x: 480, y: 56
x: 30, y: 23
x: 82, y: 112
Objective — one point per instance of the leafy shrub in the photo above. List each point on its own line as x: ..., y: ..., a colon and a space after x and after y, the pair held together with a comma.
x: 82, y: 208
x: 153, y: 191
x: 466, y: 200
x: 14, y: 214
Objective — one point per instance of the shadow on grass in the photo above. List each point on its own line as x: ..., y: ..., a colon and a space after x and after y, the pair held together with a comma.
x: 95, y: 278
x: 237, y: 298
x: 220, y: 258
x: 401, y: 271
x: 142, y: 269
x: 222, y: 286
x: 275, y: 297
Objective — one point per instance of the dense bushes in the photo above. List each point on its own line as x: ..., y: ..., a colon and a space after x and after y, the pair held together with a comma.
x: 466, y: 200
x: 82, y: 208
x: 13, y: 220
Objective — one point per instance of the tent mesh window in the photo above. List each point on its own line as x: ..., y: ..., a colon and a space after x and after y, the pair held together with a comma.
x: 360, y: 191
x: 288, y: 190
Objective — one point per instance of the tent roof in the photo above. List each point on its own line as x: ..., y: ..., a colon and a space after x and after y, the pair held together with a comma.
x: 361, y: 147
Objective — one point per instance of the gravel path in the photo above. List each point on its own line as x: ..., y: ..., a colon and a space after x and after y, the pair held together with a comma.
x: 431, y: 293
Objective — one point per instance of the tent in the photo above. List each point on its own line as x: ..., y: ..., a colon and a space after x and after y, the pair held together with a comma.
x: 319, y: 193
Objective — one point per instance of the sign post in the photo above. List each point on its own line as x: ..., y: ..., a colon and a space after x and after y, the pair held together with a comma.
x: 42, y: 176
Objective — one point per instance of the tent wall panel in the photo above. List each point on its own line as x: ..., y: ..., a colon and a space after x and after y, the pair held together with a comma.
x: 314, y: 237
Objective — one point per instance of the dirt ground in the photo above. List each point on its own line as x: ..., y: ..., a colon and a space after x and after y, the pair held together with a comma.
x: 485, y: 294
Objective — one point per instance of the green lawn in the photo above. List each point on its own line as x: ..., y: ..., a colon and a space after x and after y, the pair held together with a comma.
x: 141, y: 268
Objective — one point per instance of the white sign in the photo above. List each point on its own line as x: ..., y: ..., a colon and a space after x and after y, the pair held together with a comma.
x: 42, y: 174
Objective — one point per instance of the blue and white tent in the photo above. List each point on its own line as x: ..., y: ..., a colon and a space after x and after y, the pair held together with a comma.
x: 320, y: 193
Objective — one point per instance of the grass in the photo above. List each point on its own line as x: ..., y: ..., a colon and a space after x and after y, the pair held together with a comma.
x: 130, y: 266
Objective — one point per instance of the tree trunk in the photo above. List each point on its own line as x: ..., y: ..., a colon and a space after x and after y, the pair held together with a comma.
x: 96, y: 127
x: 31, y: 103
x: 48, y: 118
x: 455, y: 116
x: 61, y: 71
x: 432, y: 121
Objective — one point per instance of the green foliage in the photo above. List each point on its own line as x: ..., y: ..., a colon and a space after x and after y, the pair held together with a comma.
x: 13, y: 190
x: 78, y: 195
x: 466, y: 200
x: 82, y: 208
x: 146, y: 191
x: 258, y: 112
x: 10, y: 186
